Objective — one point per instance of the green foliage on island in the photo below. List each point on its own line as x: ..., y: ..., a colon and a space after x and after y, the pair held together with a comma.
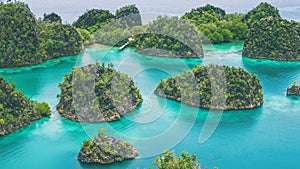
x: 263, y: 10
x: 214, y: 87
x: 59, y: 40
x: 52, y: 17
x: 105, y: 150
x: 19, y: 42
x: 16, y: 110
x: 86, y: 36
x: 129, y: 16
x: 294, y: 90
x: 273, y: 38
x: 107, y: 28
x: 96, y: 93
x: 113, y: 34
x: 93, y: 19
x: 25, y: 41
x: 171, y: 34
x: 216, y: 25
x: 170, y: 161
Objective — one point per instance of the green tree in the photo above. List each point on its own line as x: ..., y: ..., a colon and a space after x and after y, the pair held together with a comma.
x: 52, y: 17
x: 16, y: 110
x: 263, y: 10
x: 216, y: 37
x: 273, y: 38
x: 168, y: 160
x: 129, y: 16
x: 93, y: 19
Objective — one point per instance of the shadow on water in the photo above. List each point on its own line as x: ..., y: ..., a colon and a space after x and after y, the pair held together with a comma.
x: 275, y: 76
x: 294, y: 97
x: 124, y: 164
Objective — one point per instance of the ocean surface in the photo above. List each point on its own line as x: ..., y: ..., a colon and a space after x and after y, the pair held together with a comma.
x: 265, y: 137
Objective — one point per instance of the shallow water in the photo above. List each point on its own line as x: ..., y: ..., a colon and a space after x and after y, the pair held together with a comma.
x: 265, y: 137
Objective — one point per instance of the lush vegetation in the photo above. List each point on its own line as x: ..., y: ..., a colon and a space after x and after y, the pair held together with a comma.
x: 52, y: 17
x: 113, y: 34
x: 105, y: 150
x: 170, y: 161
x: 93, y: 19
x: 169, y: 36
x: 59, y: 40
x: 294, y: 89
x: 19, y: 42
x: 214, y: 87
x: 273, y: 38
x: 96, y: 93
x: 217, y: 26
x: 16, y: 110
x: 263, y: 10
x: 25, y: 41
x: 129, y: 16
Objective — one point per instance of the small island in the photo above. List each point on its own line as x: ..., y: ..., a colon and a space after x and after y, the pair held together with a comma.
x: 16, y: 110
x: 294, y: 90
x: 271, y: 37
x: 105, y: 150
x: 96, y: 93
x: 214, y: 87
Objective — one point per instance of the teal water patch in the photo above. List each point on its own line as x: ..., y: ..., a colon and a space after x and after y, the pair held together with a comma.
x: 265, y: 137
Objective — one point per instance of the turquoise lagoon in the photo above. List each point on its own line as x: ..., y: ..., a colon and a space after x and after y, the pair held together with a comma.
x: 265, y: 137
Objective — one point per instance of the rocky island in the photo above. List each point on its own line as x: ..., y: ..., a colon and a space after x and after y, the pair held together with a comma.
x: 27, y: 41
x: 271, y: 37
x: 96, y: 93
x: 105, y: 150
x: 294, y: 89
x: 16, y: 110
x: 214, y: 87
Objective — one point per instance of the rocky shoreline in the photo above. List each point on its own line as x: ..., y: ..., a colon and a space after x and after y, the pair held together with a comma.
x: 161, y: 94
x: 105, y: 150
x: 161, y: 53
x: 15, y: 128
x: 271, y: 58
x: 293, y: 90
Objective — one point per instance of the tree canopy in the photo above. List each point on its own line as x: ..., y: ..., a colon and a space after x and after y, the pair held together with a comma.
x: 16, y: 110
x: 273, y: 38
x: 104, y: 149
x: 52, y: 17
x: 216, y: 26
x: 96, y: 93
x: 214, y: 87
x: 170, y: 161
x: 19, y: 41
x: 59, y: 40
x: 172, y: 34
x: 25, y: 41
x: 263, y: 10
x: 93, y: 19
x: 129, y: 16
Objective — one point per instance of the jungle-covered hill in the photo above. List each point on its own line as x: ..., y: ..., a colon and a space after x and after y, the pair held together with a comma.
x: 214, y: 87
x: 96, y: 93
x: 105, y: 150
x: 16, y: 110
x: 26, y: 41
x: 273, y: 38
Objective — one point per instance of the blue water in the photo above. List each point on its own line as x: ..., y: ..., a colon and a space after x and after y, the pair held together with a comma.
x: 265, y: 137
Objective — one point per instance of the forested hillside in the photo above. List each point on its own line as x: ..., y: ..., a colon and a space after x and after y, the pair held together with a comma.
x: 16, y: 110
